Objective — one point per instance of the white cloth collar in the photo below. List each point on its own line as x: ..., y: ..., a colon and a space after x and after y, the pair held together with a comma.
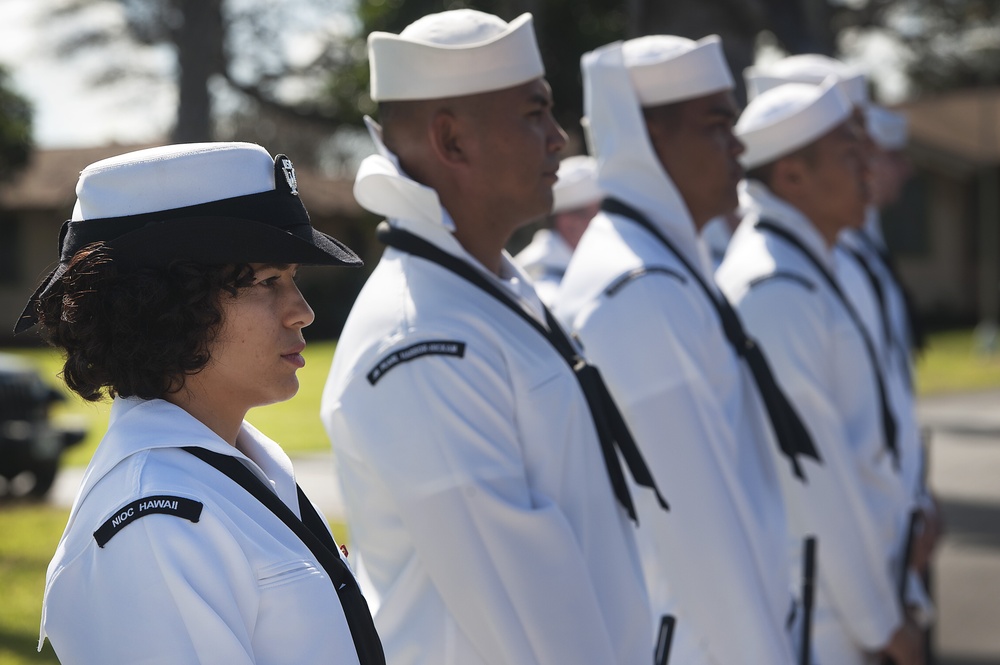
x: 136, y: 425
x: 382, y: 187
x: 628, y: 168
x: 547, y: 250
x: 759, y: 202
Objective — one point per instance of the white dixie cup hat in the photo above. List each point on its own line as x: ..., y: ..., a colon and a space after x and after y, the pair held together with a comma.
x: 577, y: 185
x: 782, y: 120
x: 810, y: 68
x: 453, y: 54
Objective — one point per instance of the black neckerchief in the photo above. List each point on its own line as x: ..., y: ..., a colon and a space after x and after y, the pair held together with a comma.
x: 314, y: 534
x: 916, y: 329
x: 792, y: 436
x: 883, y: 306
x: 610, y: 426
x: 891, y: 343
x: 888, y: 421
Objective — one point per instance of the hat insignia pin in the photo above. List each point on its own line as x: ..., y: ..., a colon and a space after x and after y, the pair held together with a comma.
x: 289, y: 171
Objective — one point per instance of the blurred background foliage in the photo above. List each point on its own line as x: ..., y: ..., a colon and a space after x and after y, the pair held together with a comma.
x: 318, y: 84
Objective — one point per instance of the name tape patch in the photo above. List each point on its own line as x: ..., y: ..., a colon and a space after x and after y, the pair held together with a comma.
x: 177, y: 506
x: 435, y: 347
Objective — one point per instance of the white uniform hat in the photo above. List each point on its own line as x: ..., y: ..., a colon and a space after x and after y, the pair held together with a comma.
x: 209, y: 203
x: 809, y: 68
x: 781, y: 120
x: 887, y: 128
x: 666, y: 69
x: 453, y: 54
x: 577, y: 185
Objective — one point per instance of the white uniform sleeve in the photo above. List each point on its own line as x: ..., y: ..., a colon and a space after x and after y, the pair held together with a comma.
x: 654, y: 357
x: 502, y: 557
x: 163, y: 590
x: 853, y: 567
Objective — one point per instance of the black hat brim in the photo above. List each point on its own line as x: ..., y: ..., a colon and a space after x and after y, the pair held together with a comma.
x: 212, y: 241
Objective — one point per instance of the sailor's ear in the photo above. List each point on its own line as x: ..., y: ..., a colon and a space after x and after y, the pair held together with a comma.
x: 447, y: 136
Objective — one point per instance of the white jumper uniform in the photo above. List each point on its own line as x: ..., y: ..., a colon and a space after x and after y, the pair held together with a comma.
x: 889, y: 327
x: 545, y: 260
x: 854, y: 501
x: 237, y: 586
x: 479, y: 503
x: 716, y: 235
x: 719, y: 560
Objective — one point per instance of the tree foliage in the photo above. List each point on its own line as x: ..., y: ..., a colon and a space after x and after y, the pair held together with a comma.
x: 15, y: 129
x: 244, y: 42
x: 947, y: 44
x: 943, y: 44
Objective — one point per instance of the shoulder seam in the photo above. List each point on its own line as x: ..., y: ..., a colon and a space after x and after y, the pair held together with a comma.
x: 788, y: 276
x: 622, y: 281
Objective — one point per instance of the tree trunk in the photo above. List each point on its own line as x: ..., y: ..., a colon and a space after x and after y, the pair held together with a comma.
x: 199, y: 42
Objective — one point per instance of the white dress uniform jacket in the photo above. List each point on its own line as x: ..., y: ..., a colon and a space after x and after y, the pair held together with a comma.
x: 854, y: 502
x: 871, y: 240
x: 237, y: 586
x: 719, y: 560
x: 889, y: 328
x: 545, y: 260
x: 475, y: 486
x: 716, y: 235
x: 856, y: 279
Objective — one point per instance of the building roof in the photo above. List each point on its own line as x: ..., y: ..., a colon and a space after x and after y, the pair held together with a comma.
x: 49, y: 183
x: 964, y: 124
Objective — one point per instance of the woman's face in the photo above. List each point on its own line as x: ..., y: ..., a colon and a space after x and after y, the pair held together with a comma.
x: 254, y: 356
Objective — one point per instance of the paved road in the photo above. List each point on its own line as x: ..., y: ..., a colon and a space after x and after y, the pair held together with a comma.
x: 965, y: 475
x: 964, y: 472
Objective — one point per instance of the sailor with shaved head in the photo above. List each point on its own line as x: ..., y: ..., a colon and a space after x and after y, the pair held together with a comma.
x: 479, y: 454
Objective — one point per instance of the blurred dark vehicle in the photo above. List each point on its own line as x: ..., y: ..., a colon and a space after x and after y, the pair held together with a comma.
x: 30, y: 444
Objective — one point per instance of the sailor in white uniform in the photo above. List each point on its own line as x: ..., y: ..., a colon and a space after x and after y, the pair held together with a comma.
x: 717, y: 233
x: 863, y: 256
x: 863, y: 268
x: 489, y: 513
x: 576, y: 199
x: 165, y: 559
x: 893, y: 322
x: 806, y: 181
x: 868, y: 281
x: 639, y: 295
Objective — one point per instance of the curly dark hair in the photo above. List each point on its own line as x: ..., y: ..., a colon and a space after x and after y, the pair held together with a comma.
x: 135, y: 332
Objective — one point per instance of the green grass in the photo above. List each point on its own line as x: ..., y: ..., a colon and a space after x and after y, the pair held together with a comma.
x: 30, y: 535
x: 953, y: 363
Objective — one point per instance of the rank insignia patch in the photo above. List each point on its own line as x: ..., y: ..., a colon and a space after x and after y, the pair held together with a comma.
x: 177, y: 506
x: 435, y: 347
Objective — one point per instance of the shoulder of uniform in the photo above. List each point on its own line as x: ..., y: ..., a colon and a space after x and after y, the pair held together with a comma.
x: 162, y: 504
x: 784, y: 276
x: 627, y: 278
x: 415, y: 350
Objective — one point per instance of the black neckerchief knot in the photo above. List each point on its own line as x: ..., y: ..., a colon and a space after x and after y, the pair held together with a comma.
x: 792, y: 436
x: 611, y: 430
